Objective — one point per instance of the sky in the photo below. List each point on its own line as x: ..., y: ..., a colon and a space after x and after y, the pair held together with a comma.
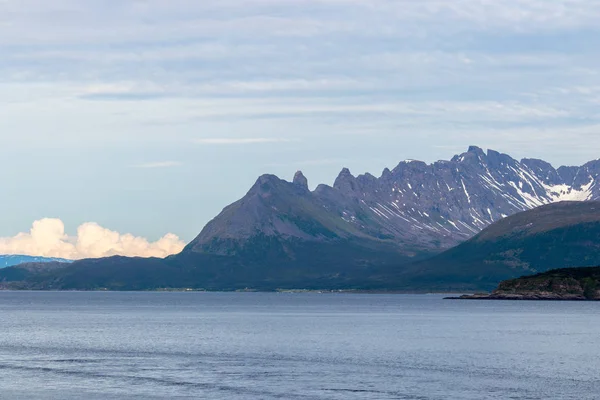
x: 143, y: 119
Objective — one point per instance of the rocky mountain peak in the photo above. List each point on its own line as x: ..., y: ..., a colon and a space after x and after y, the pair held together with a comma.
x: 345, y: 182
x: 474, y: 156
x: 344, y: 172
x: 386, y: 175
x: 300, y: 180
x: 476, y: 150
x: 265, y: 184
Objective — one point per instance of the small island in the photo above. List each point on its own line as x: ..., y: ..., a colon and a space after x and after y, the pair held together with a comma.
x: 568, y: 284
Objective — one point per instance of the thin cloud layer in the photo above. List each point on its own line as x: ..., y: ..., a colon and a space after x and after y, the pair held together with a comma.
x: 158, y: 164
x: 225, y: 141
x: 47, y: 238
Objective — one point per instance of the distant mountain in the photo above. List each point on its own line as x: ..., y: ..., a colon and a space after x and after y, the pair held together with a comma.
x: 554, y: 236
x: 277, y: 220
x: 360, y: 233
x: 11, y: 260
x: 417, y: 207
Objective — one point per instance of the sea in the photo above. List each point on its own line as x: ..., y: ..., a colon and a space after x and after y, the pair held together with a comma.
x: 177, y: 345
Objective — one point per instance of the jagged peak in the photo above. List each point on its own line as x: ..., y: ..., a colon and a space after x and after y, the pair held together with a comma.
x: 473, y: 155
x: 386, y: 174
x: 264, y: 183
x: 476, y: 150
x: 345, y: 172
x: 265, y: 178
x: 300, y: 180
x: 344, y: 180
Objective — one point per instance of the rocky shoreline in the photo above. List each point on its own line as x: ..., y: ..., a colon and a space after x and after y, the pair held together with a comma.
x: 525, y: 296
x: 569, y: 284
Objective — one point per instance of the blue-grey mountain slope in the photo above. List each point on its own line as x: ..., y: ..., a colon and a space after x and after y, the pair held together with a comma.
x: 12, y: 260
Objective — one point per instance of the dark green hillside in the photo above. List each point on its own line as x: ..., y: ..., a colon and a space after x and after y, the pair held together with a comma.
x: 269, y: 265
x: 554, y: 236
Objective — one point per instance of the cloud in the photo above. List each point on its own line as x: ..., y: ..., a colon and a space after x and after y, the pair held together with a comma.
x: 76, y: 21
x: 308, y: 163
x: 159, y: 164
x: 47, y: 238
x: 233, y: 141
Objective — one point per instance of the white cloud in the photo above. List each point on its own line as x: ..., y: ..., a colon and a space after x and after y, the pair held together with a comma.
x: 47, y: 238
x: 225, y: 141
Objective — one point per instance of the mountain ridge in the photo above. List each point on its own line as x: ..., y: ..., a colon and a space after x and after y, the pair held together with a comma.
x: 9, y: 260
x: 424, y: 207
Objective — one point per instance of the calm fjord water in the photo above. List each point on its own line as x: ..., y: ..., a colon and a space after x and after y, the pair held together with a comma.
x: 294, y: 346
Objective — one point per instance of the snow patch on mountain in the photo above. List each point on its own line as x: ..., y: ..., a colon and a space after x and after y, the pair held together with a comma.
x: 453, y: 200
x: 569, y: 193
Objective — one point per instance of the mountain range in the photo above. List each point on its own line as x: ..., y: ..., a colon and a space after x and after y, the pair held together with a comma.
x: 363, y: 232
x: 419, y: 207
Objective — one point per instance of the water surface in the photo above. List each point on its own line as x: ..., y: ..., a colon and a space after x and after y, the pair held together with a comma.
x: 72, y: 345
